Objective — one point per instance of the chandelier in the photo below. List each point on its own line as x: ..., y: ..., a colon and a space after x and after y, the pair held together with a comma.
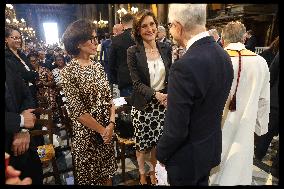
x: 11, y: 19
x: 101, y: 23
x: 121, y: 11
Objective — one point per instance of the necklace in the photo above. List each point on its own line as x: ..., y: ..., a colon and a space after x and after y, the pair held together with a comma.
x: 151, y: 50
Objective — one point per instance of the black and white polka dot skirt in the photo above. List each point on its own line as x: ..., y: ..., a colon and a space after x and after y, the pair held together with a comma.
x: 148, y: 125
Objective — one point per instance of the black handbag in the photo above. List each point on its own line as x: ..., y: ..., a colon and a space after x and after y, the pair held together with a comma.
x: 124, y: 127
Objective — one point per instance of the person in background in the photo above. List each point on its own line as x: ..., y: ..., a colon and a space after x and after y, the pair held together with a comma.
x: 19, y: 63
x: 67, y: 57
x: 263, y: 142
x: 60, y: 62
x: 99, y: 50
x: 161, y: 36
x: 50, y: 59
x: 250, y: 40
x: 12, y: 177
x: 105, y: 53
x: 119, y: 72
x: 19, y: 118
x: 45, y: 62
x: 45, y: 85
x: 246, y: 111
x: 117, y: 29
x: 149, y: 63
x: 269, y: 54
x: 91, y: 107
x: 214, y: 33
x: 198, y: 87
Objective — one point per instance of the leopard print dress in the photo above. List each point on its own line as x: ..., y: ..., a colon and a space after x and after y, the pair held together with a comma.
x: 87, y: 91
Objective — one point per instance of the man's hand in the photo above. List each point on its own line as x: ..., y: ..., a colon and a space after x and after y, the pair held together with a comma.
x: 12, y: 177
x: 20, y: 143
x: 161, y: 97
x: 29, y: 118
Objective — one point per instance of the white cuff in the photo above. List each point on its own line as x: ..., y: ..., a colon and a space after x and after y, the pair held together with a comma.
x: 22, y: 124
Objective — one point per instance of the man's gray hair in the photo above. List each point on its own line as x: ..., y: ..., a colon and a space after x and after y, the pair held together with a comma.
x: 213, y: 32
x: 234, y: 32
x: 161, y: 29
x: 188, y: 15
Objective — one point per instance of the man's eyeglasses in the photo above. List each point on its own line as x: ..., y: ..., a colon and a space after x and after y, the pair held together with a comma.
x: 16, y: 38
x: 94, y: 39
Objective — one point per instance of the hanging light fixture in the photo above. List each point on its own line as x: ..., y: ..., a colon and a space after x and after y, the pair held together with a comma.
x: 11, y: 19
x: 101, y: 23
x: 120, y: 12
x: 134, y: 10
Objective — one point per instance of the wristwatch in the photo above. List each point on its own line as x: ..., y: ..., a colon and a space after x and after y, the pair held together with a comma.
x: 25, y: 131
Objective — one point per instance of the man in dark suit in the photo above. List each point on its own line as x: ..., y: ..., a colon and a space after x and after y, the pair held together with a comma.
x: 198, y: 87
x: 18, y: 119
x: 119, y: 72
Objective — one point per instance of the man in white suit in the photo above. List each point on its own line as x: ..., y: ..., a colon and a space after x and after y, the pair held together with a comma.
x: 246, y: 110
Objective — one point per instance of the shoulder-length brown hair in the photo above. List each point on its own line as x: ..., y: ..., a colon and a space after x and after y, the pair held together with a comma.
x: 137, y: 24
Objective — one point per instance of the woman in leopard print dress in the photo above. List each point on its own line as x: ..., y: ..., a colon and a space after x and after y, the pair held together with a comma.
x: 90, y: 105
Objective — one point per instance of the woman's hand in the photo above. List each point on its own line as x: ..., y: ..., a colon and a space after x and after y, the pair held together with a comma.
x: 107, y: 134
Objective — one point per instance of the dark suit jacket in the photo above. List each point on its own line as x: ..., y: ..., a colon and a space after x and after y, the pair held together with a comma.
x: 139, y: 72
x: 199, y: 84
x: 17, y: 98
x: 105, y: 49
x: 268, y: 55
x: 274, y: 82
x: 119, y: 73
x: 18, y: 68
x: 251, y: 43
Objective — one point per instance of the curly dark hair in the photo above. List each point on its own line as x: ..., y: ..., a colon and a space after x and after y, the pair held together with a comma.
x: 137, y: 24
x: 60, y: 56
x: 77, y: 32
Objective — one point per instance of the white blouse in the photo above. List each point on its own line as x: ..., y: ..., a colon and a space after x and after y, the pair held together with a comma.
x: 157, y: 73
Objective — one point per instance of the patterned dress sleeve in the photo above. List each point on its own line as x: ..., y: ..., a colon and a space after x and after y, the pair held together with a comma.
x: 75, y: 104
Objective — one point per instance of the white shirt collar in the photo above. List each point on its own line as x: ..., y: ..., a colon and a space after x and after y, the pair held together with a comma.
x: 196, y: 38
x: 235, y: 46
